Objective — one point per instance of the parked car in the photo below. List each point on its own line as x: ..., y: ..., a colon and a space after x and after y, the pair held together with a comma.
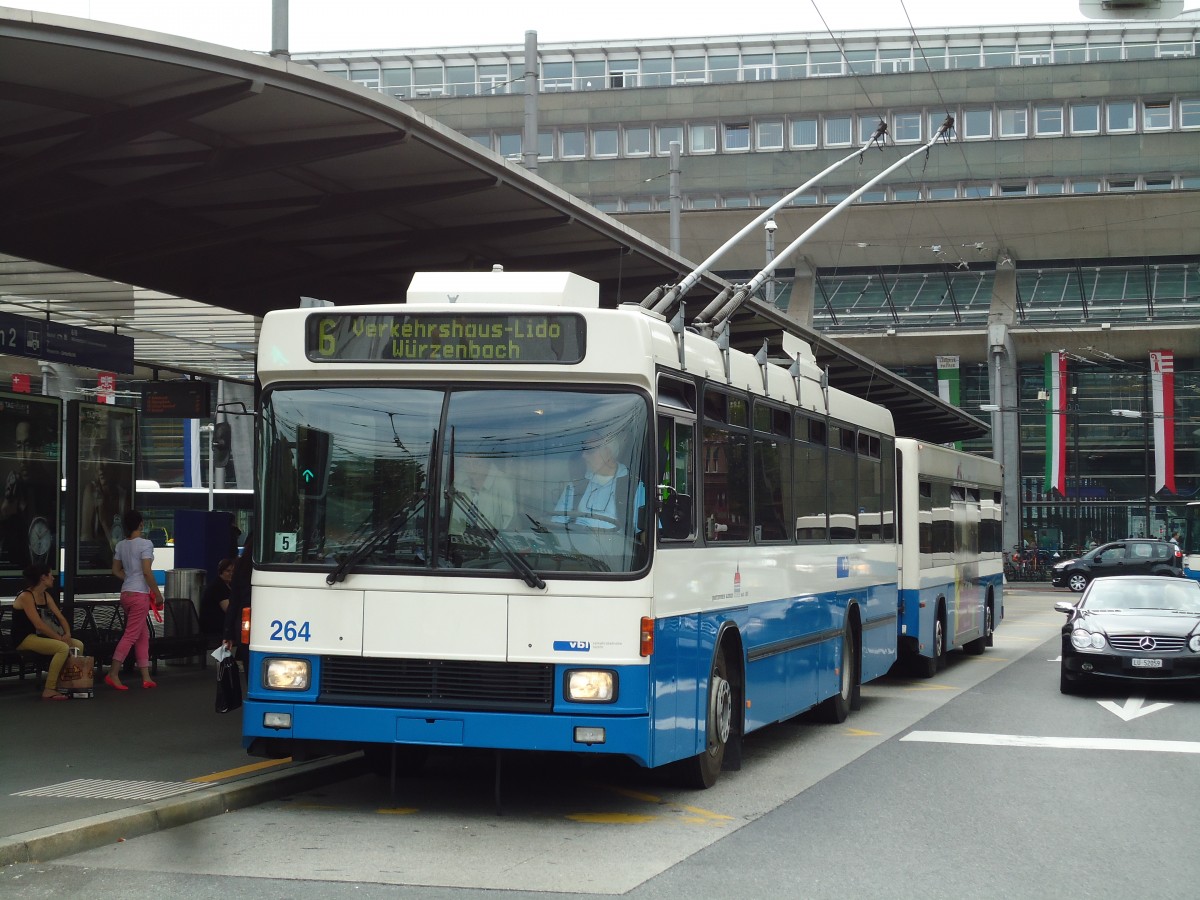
x: 1132, y: 556
x: 1136, y: 629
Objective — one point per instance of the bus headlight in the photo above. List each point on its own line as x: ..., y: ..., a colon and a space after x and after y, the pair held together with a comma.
x: 287, y: 674
x: 591, y: 686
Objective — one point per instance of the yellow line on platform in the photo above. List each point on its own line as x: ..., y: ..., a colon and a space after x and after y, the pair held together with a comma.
x: 240, y: 770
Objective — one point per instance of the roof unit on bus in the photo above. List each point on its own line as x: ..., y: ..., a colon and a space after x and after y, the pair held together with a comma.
x: 501, y: 288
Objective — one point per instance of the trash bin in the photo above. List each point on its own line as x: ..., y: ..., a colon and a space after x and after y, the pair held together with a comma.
x: 183, y: 584
x: 186, y: 583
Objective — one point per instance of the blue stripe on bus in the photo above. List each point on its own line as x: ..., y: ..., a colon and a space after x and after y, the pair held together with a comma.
x: 628, y: 735
x: 920, y: 628
x: 785, y: 675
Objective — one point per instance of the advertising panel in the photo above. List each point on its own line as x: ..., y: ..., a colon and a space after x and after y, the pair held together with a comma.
x: 107, y: 435
x: 30, y: 466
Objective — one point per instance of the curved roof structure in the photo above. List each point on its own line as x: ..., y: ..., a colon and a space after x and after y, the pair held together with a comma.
x: 244, y: 182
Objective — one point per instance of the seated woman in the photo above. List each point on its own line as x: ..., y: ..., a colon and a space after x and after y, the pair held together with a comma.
x: 34, y: 634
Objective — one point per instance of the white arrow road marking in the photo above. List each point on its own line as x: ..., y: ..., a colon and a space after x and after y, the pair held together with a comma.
x: 1056, y: 659
x: 1059, y: 743
x: 1133, y: 708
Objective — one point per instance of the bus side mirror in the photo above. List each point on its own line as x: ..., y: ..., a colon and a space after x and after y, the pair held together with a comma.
x: 675, y: 516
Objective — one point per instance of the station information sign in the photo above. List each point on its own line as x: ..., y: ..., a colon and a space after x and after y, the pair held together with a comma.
x: 176, y: 399
x: 55, y: 342
x: 428, y: 337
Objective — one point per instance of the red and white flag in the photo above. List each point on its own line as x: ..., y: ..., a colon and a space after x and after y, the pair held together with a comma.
x: 1056, y: 423
x: 1162, y: 398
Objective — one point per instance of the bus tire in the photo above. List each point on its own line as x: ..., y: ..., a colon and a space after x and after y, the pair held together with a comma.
x: 702, y: 770
x: 834, y: 710
x: 980, y: 643
x: 928, y: 666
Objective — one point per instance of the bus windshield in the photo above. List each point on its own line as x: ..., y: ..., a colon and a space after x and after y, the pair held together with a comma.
x: 502, y: 481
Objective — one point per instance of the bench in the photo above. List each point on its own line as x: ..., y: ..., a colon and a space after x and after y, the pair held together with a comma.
x: 100, y: 624
x: 12, y: 661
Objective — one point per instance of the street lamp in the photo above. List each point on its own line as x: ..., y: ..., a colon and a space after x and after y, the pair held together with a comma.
x: 770, y: 227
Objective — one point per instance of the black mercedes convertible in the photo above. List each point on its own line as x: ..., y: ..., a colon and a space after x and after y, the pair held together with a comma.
x: 1138, y: 628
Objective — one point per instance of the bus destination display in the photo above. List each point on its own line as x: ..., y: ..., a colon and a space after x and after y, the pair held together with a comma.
x: 421, y: 337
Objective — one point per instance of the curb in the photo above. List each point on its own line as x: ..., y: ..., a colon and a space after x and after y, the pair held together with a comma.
x: 52, y: 842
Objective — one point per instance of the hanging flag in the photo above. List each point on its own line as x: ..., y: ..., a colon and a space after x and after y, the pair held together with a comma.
x: 948, y: 385
x: 1162, y: 397
x: 1056, y: 423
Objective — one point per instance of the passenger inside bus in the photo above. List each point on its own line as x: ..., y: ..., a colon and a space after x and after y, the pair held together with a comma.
x: 481, y: 483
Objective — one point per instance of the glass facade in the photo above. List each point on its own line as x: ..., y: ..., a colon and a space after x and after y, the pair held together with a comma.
x: 1110, y: 458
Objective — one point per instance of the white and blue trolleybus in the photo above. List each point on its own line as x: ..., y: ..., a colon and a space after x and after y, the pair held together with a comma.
x: 951, y: 552
x: 500, y: 516
x: 1191, y: 540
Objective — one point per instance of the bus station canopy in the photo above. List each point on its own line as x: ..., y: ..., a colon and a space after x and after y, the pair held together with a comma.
x: 198, y: 187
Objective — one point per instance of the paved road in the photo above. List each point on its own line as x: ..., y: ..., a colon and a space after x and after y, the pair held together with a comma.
x: 935, y: 788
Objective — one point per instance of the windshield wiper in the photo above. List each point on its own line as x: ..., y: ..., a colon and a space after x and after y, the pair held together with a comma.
x: 383, y: 534
x: 489, y: 531
x: 395, y: 522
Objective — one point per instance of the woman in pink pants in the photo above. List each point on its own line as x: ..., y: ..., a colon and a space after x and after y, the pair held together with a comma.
x: 133, y: 559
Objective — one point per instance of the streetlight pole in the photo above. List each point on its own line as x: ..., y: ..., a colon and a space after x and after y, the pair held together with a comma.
x: 675, y: 198
x: 769, y: 227
x: 209, y: 429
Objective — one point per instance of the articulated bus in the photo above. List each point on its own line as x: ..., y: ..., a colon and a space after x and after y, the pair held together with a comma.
x: 1191, y: 541
x: 498, y: 516
x: 951, y: 552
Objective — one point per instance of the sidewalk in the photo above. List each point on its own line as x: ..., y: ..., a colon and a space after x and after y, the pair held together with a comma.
x: 80, y: 774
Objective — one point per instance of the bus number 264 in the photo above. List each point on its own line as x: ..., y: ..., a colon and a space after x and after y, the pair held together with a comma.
x: 289, y: 630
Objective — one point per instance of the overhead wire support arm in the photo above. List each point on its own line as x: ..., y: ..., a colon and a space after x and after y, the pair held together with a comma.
x: 717, y: 311
x: 661, y: 298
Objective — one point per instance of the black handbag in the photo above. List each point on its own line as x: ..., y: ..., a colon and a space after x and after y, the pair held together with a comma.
x: 229, y: 686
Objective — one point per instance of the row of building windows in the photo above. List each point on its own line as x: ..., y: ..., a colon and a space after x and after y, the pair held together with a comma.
x: 903, y: 193
x: 873, y: 299
x: 422, y: 78
x: 777, y: 133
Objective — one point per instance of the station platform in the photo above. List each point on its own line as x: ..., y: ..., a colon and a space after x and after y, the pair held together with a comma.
x: 79, y: 774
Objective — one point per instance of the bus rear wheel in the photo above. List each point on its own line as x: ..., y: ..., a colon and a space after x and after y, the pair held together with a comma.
x: 835, y: 709
x: 980, y: 643
x: 927, y: 666
x: 703, y: 769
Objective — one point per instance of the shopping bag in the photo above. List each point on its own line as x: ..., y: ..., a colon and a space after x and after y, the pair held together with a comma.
x: 229, y: 686
x: 75, y: 678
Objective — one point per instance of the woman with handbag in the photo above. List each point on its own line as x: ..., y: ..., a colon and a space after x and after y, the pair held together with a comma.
x: 133, y: 561
x: 39, y: 626
x: 239, y: 600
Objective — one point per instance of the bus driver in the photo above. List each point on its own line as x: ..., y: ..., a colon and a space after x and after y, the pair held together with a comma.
x: 599, y: 501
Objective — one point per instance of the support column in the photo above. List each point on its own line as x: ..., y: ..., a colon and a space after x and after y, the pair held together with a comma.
x: 802, y: 300
x: 1002, y: 393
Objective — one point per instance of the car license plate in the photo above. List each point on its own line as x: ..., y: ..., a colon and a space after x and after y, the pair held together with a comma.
x: 1139, y: 663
